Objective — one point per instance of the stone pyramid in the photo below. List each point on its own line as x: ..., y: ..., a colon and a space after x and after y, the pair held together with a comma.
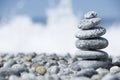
x: 90, y: 42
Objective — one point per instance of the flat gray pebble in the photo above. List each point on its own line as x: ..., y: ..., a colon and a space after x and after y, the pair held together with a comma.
x: 90, y: 14
x: 97, y: 43
x: 89, y: 23
x: 91, y: 33
x: 9, y: 63
x: 54, y: 69
x: 80, y: 78
x: 93, y: 64
x: 110, y: 77
x: 86, y: 72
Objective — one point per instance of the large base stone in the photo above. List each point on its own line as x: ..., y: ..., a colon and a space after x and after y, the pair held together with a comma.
x: 91, y: 54
x: 93, y: 64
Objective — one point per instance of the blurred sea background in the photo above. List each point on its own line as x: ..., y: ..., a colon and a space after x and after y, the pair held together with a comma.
x: 49, y: 25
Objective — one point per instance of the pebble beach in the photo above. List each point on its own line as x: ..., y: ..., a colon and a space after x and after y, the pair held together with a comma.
x: 42, y: 66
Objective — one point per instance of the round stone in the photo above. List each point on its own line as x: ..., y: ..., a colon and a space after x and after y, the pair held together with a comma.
x: 96, y: 77
x: 102, y: 71
x: 28, y: 76
x: 97, y: 43
x: 80, y: 78
x: 93, y: 64
x: 114, y: 69
x: 110, y: 77
x: 95, y: 21
x: 91, y: 33
x: 116, y: 60
x: 91, y: 54
x: 86, y: 72
x: 41, y: 70
x: 90, y: 14
x: 9, y: 63
x: 13, y: 77
x: 89, y: 23
x: 85, y: 24
x: 54, y: 69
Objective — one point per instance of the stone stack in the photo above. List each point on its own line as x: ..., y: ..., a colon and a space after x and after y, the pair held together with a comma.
x: 90, y: 41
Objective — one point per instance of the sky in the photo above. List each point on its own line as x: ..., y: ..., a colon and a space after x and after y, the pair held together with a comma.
x: 49, y: 25
x: 108, y: 9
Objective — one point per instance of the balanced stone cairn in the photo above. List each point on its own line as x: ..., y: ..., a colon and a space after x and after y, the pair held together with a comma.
x: 90, y: 41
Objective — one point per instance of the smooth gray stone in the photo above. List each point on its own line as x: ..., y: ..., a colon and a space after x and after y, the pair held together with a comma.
x: 116, y: 61
x: 53, y: 69
x: 28, y: 76
x: 9, y: 63
x: 13, y: 77
x: 1, y: 78
x: 89, y: 23
x: 31, y: 55
x: 86, y: 72
x: 74, y: 66
x: 97, y: 43
x: 11, y: 71
x: 66, y: 71
x: 91, y: 54
x: 7, y: 71
x: 93, y: 64
x: 80, y: 78
x: 95, y: 21
x: 91, y: 33
x: 85, y: 24
x: 110, y: 77
x: 52, y: 77
x: 90, y: 14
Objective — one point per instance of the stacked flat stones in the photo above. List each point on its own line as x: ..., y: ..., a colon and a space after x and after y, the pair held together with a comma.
x: 90, y: 41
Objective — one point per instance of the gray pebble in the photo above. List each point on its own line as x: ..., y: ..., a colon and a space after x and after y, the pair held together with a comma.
x: 110, y: 77
x: 86, y: 72
x: 40, y: 78
x: 54, y: 69
x: 8, y: 56
x: 13, y: 77
x: 32, y: 55
x: 9, y: 63
x: 102, y: 71
x: 63, y: 63
x: 80, y: 78
x: 95, y: 21
x: 66, y: 71
x: 91, y: 33
x: 85, y: 24
x: 97, y: 43
x: 28, y: 76
x: 90, y: 14
x: 2, y: 78
x: 52, y: 77
x: 93, y: 64
x: 96, y: 77
x: 116, y: 61
x: 53, y: 57
x: 8, y: 71
x: 74, y: 66
x: 92, y: 54
x: 89, y: 23
x: 51, y: 63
